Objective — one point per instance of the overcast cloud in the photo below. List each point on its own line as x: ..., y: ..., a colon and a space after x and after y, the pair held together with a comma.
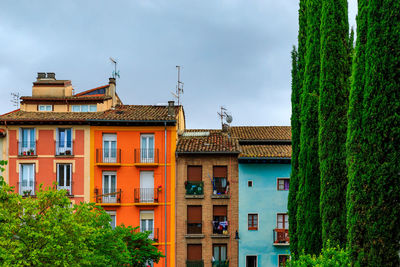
x: 234, y: 53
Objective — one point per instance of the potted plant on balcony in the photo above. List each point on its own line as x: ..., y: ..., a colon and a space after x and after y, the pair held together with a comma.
x: 31, y: 152
x: 24, y: 153
x: 68, y: 192
x: 159, y: 188
x: 27, y: 193
x: 67, y: 152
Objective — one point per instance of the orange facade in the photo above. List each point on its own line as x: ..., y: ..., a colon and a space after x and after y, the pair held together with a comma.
x: 129, y: 167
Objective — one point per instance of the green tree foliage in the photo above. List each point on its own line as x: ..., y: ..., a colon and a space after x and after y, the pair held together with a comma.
x: 332, y: 112
x: 357, y: 191
x: 298, y: 67
x: 308, y: 213
x: 49, y: 231
x: 329, y: 257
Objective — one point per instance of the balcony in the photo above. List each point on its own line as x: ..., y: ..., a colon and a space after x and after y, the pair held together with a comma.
x: 64, y: 148
x: 146, y: 156
x: 108, y: 157
x: 281, y: 237
x: 146, y: 195
x: 194, y: 229
x: 27, y: 188
x: 154, y: 233
x: 220, y: 188
x: 198, y: 263
x: 224, y: 263
x: 220, y: 229
x: 113, y: 198
x: 27, y: 149
x: 194, y: 189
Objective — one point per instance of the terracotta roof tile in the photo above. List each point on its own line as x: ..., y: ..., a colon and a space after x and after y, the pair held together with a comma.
x: 262, y: 133
x: 266, y: 151
x: 214, y: 142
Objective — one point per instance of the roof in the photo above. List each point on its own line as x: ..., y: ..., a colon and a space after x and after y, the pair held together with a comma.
x: 266, y: 151
x: 215, y: 142
x: 262, y: 133
x: 87, y: 92
x: 122, y: 113
x: 68, y: 98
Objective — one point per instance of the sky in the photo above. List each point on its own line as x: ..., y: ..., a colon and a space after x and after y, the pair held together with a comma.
x: 233, y: 53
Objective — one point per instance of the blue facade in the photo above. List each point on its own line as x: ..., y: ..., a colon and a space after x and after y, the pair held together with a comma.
x: 264, y: 199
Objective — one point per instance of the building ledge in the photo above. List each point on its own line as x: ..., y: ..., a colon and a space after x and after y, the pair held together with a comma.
x: 108, y: 164
x: 194, y: 196
x: 220, y: 196
x: 194, y: 236
x: 108, y: 204
x: 27, y: 156
x: 281, y: 244
x: 217, y: 236
x: 155, y: 165
x: 64, y: 156
x: 147, y: 204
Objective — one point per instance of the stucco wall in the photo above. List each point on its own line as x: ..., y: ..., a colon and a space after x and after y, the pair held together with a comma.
x: 263, y: 198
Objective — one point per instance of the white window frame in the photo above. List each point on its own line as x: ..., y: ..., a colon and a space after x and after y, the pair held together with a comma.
x: 31, y: 187
x: 45, y: 107
x: 79, y: 108
x: 108, y: 157
x: 112, y: 213
x: 147, y: 152
x: 110, y: 198
x: 65, y: 178
x: 151, y: 236
x: 62, y: 150
x: 31, y: 144
x: 256, y: 259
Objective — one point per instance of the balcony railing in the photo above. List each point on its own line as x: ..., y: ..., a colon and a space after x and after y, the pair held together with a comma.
x: 27, y: 188
x: 198, y: 263
x: 146, y: 195
x: 64, y: 148
x: 108, y: 155
x: 105, y: 197
x: 194, y: 227
x: 220, y: 227
x: 224, y: 263
x: 281, y: 236
x: 146, y: 155
x: 194, y: 188
x: 27, y: 148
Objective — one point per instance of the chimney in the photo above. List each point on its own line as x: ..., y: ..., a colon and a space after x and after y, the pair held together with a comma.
x: 51, y: 75
x: 46, y: 85
x: 225, y: 128
x: 111, y: 91
x: 171, y: 108
x: 41, y: 75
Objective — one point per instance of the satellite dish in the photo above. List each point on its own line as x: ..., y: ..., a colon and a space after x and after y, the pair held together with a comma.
x: 229, y: 118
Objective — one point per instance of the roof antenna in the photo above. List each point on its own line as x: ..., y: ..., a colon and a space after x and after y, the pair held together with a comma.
x: 179, y: 86
x: 115, y: 73
x: 15, y: 99
x: 224, y: 115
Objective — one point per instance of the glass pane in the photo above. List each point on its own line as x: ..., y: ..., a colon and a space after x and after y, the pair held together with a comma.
x: 113, y: 221
x: 113, y: 149
x: 223, y: 253
x: 216, y: 253
x: 286, y: 184
x: 76, y: 108
x: 24, y: 175
x: 84, y: 108
x: 113, y: 184
x: 106, y: 148
x: 41, y: 108
x: 61, y: 175
x: 93, y: 108
x: 32, y: 138
x: 69, y: 137
x: 144, y: 142
x: 61, y: 136
x: 68, y: 175
x: 48, y: 108
x: 105, y: 184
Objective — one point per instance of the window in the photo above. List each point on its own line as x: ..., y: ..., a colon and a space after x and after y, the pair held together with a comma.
x: 113, y: 215
x: 219, y: 252
x: 250, y: 183
x: 147, y: 187
x: 45, y: 108
x: 109, y: 148
x: 147, y: 148
x: 283, y: 184
x: 27, y: 142
x: 194, y: 254
x: 220, y: 181
x: 194, y: 219
x: 147, y: 222
x: 84, y: 108
x: 194, y: 184
x: 220, y: 222
x: 251, y: 261
x: 27, y: 179
x: 64, y: 141
x: 282, y: 260
x: 109, y: 187
x: 64, y: 177
x: 282, y: 221
x: 252, y: 221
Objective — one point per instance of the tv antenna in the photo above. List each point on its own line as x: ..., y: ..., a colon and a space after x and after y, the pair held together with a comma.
x: 115, y: 73
x: 179, y: 86
x: 224, y: 115
x: 15, y: 99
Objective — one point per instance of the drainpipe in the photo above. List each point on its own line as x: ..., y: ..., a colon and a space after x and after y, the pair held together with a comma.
x: 165, y: 190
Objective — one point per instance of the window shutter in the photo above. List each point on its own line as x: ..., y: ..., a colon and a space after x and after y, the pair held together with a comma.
x: 194, y: 173
x: 219, y: 210
x: 194, y: 252
x: 194, y: 213
x: 220, y: 171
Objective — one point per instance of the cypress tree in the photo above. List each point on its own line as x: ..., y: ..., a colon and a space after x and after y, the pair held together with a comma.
x: 332, y: 114
x: 308, y: 213
x: 298, y: 67
x: 381, y: 133
x: 357, y: 194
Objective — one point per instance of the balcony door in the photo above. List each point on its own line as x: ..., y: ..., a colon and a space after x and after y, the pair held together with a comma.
x: 147, y: 148
x: 147, y: 222
x: 109, y: 187
x: 27, y: 179
x: 64, y: 145
x: 64, y: 176
x: 109, y: 148
x: 282, y: 221
x: 27, y: 140
x: 219, y: 253
x: 146, y: 186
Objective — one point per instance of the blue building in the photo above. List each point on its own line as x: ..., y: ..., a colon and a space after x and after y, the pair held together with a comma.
x: 264, y: 171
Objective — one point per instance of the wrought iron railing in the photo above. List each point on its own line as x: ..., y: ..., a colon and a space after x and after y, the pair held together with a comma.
x: 27, y: 188
x: 194, y: 227
x: 108, y: 155
x: 281, y: 236
x: 198, y: 263
x: 220, y: 227
x: 224, y: 263
x: 27, y: 148
x: 64, y: 148
x: 194, y: 188
x: 107, y: 196
x: 147, y: 155
x: 146, y: 195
